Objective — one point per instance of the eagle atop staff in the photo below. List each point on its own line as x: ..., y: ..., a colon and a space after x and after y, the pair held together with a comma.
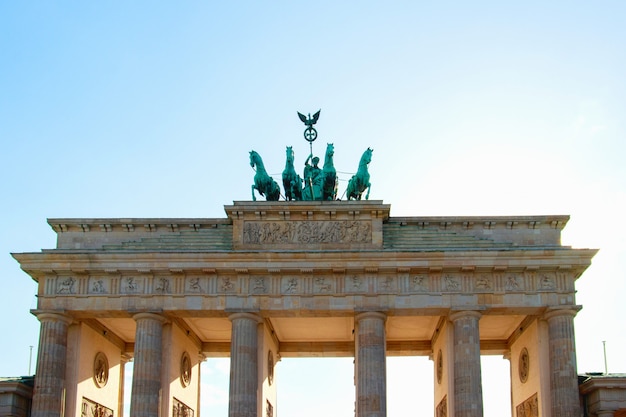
x: 309, y: 121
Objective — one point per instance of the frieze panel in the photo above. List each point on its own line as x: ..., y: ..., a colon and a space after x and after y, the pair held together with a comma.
x: 162, y: 285
x: 99, y: 285
x: 451, y: 283
x: 93, y: 409
x: 227, y: 284
x: 442, y: 407
x: 66, y: 285
x: 355, y: 283
x: 290, y: 285
x: 195, y: 285
x: 386, y: 284
x: 132, y: 285
x: 259, y: 285
x: 307, y: 232
x: 180, y: 409
x: 529, y: 408
x: 483, y: 283
x: 420, y: 283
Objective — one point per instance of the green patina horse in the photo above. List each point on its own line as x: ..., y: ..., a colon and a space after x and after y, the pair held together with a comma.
x: 329, y: 175
x: 263, y: 183
x: 292, y: 183
x: 361, y: 180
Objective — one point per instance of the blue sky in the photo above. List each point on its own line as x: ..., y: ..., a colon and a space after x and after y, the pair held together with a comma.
x: 149, y: 109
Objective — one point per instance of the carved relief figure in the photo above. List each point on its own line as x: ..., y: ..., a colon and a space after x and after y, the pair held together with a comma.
x: 163, y: 286
x: 483, y: 282
x: 451, y: 283
x: 259, y: 284
x: 194, y: 285
x: 511, y: 283
x: 98, y: 287
x: 227, y: 284
x: 100, y: 370
x: 546, y: 282
x: 185, y: 369
x: 66, y: 286
x: 356, y: 282
x: 322, y: 286
x: 131, y: 285
x: 292, y: 285
x: 387, y: 283
x: 420, y: 283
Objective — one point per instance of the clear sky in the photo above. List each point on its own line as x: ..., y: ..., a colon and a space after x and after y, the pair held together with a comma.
x: 149, y: 109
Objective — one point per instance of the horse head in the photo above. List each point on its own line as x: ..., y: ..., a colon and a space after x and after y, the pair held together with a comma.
x: 330, y: 149
x: 367, y: 156
x: 254, y: 158
x: 290, y: 154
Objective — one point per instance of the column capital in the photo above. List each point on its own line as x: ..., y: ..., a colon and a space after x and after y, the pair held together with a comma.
x: 370, y: 315
x: 561, y: 311
x: 245, y: 315
x: 51, y: 315
x: 454, y: 316
x: 149, y: 315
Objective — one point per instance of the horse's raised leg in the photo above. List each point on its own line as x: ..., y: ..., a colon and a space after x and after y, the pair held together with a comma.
x: 253, y: 196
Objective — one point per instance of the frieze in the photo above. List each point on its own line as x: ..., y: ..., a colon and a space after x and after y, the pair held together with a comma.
x: 93, y: 409
x: 312, y: 281
x: 529, y: 408
x: 131, y: 285
x: 420, y: 283
x: 66, y: 285
x: 442, y: 407
x: 98, y: 286
x: 307, y: 232
x: 194, y: 285
x: 180, y: 409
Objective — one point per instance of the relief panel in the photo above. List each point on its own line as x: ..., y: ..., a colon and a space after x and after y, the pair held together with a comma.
x: 306, y: 232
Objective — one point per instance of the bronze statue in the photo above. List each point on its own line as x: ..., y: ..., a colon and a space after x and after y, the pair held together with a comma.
x: 263, y: 183
x: 329, y: 175
x: 313, y: 180
x: 361, y: 180
x: 292, y: 183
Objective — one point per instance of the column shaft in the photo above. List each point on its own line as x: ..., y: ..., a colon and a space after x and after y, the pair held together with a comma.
x: 468, y: 393
x: 48, y: 392
x: 244, y: 365
x: 371, y: 369
x: 146, y: 387
x: 563, y: 374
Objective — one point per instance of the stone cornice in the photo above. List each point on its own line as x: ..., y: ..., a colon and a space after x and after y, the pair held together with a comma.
x: 90, y: 262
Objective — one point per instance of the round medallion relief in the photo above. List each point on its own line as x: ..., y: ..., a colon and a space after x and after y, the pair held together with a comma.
x: 185, y: 369
x: 100, y: 370
x: 524, y: 365
x: 270, y: 367
x: 439, y: 366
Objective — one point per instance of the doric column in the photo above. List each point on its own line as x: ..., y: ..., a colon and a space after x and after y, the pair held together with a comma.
x: 244, y: 365
x: 563, y: 374
x: 371, y: 369
x: 48, y: 392
x: 468, y: 392
x: 144, y: 399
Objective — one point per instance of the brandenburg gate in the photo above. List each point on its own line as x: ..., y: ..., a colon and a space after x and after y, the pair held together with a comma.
x: 303, y: 278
